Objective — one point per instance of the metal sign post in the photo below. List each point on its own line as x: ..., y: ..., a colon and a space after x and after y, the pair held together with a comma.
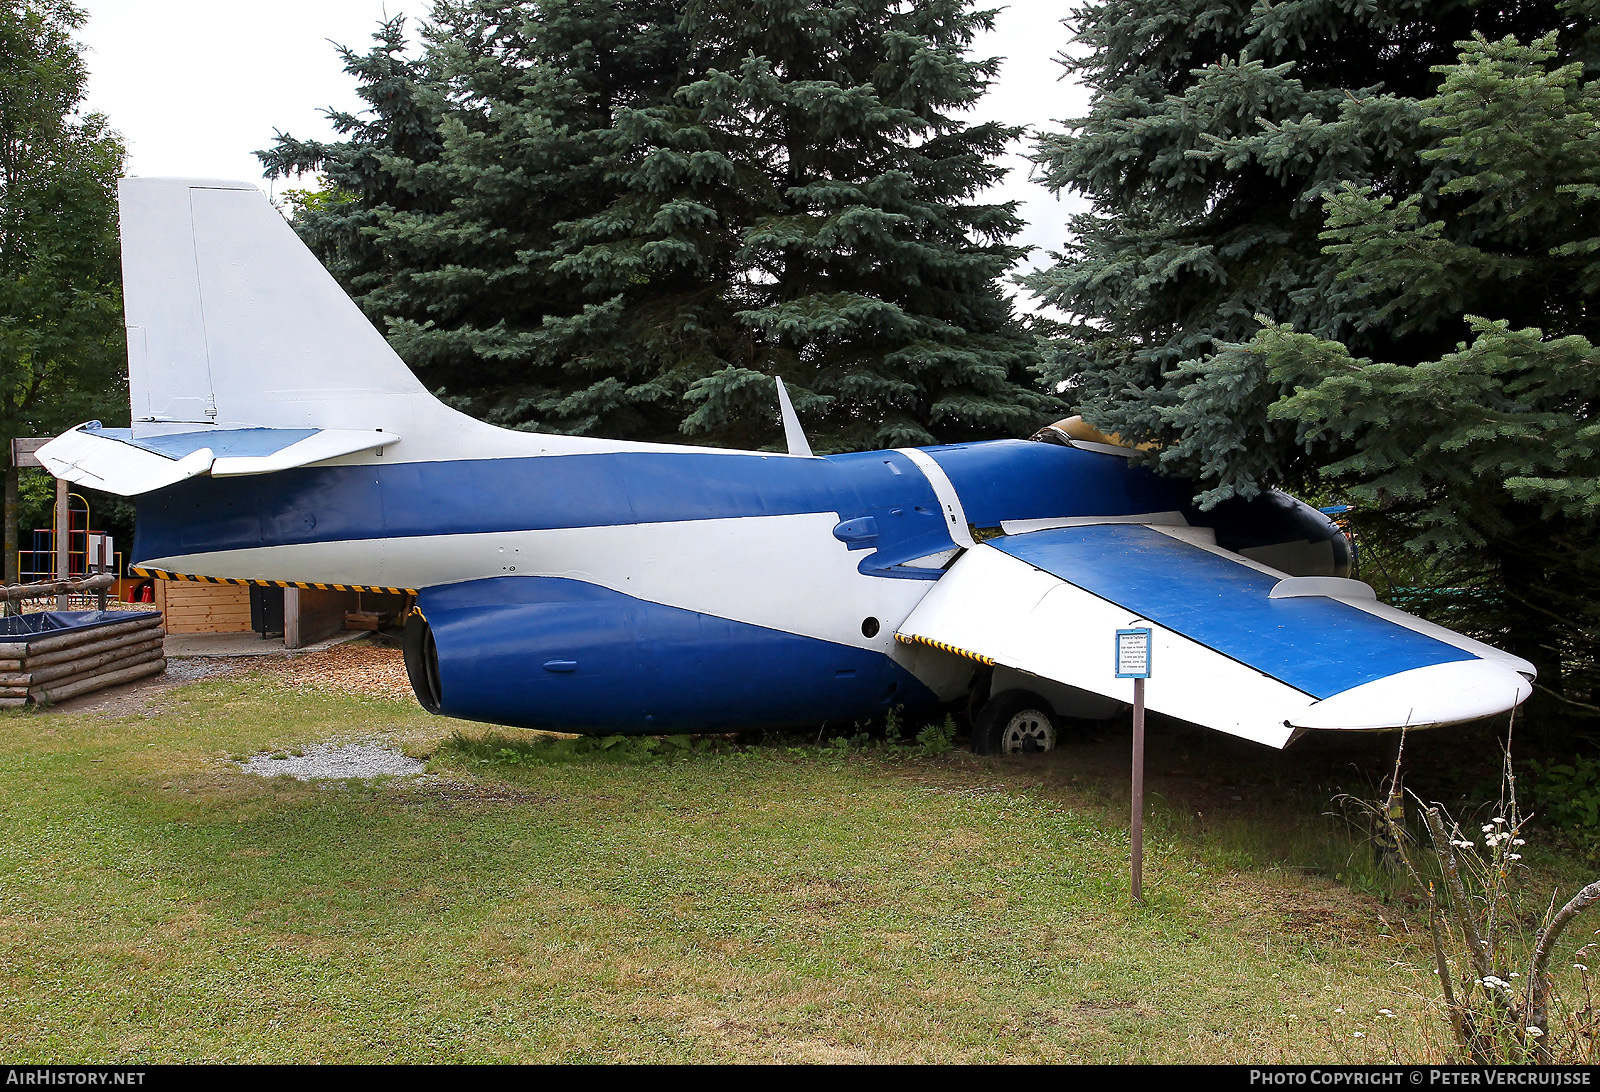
x: 1133, y: 662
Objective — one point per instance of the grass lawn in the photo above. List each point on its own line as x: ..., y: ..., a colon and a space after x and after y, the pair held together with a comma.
x: 761, y: 903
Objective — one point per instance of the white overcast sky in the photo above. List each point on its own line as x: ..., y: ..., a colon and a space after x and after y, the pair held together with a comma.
x: 196, y: 86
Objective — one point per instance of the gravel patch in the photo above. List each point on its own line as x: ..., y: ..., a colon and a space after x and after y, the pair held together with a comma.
x: 335, y: 761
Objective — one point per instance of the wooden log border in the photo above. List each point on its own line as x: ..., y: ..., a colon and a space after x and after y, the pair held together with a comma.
x: 64, y: 664
x: 34, y: 676
x: 68, y: 655
x: 18, y: 650
x: 63, y: 691
x: 44, y: 692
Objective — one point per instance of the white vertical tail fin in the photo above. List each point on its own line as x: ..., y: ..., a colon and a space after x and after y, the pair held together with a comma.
x: 232, y: 322
x: 246, y: 357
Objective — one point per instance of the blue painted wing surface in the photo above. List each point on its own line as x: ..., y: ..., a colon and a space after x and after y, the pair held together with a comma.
x: 1228, y: 653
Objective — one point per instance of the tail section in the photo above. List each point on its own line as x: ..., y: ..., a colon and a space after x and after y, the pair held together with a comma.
x: 233, y: 323
x: 246, y: 357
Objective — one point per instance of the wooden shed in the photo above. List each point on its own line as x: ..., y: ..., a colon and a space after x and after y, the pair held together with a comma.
x: 191, y: 607
x: 309, y: 614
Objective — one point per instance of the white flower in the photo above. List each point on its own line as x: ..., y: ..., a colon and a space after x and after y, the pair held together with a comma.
x: 1535, y: 1032
x: 1361, y: 1035
x: 1519, y: 841
x: 1340, y: 1009
x: 1499, y: 822
x: 1513, y: 856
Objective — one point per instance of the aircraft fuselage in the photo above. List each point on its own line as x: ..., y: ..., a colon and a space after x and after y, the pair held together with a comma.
x: 677, y: 589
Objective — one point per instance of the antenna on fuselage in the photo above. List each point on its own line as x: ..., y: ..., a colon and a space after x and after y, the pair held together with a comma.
x: 792, y: 435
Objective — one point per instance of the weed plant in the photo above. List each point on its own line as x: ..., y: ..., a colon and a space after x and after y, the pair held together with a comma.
x: 1506, y: 999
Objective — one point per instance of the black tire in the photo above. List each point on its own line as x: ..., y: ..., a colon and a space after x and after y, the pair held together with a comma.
x: 1015, y: 722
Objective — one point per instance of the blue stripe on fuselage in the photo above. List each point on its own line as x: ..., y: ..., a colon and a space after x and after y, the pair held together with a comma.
x: 402, y: 500
x: 1024, y: 479
x: 382, y: 500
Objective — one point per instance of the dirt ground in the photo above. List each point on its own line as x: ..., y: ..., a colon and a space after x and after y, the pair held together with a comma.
x: 360, y: 667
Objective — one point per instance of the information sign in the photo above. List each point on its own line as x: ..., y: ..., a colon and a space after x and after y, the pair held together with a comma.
x: 1133, y: 653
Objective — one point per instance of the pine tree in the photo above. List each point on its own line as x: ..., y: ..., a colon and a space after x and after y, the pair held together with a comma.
x: 865, y: 271
x: 62, y: 348
x: 1489, y: 454
x: 365, y: 177
x: 628, y: 216
x: 1214, y: 133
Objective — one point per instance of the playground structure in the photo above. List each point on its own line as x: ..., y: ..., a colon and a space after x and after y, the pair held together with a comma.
x: 88, y: 552
x: 72, y: 551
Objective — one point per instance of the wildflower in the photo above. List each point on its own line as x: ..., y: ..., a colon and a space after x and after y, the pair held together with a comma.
x: 1535, y: 1032
x: 1361, y: 1035
x: 1513, y: 856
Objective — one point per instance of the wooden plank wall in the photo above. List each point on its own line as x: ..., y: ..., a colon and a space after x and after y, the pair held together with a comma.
x: 320, y: 614
x: 190, y: 607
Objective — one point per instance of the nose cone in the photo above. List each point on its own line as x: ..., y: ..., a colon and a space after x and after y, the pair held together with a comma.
x: 1425, y: 697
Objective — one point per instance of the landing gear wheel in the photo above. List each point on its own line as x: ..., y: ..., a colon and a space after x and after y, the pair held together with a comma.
x: 1016, y: 722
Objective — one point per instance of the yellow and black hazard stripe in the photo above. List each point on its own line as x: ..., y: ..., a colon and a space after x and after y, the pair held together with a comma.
x: 162, y: 574
x: 913, y: 639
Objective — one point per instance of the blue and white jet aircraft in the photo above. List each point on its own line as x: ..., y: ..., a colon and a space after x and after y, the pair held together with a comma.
x: 603, y: 586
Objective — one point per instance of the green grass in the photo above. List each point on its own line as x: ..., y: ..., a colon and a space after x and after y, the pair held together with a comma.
x: 687, y: 904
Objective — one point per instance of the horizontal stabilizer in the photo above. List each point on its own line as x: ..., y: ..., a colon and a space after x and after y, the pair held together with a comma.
x: 115, y: 460
x: 1235, y: 646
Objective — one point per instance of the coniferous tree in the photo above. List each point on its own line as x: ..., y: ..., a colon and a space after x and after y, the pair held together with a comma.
x: 1489, y: 454
x: 364, y: 178
x: 1214, y: 132
x: 1335, y: 172
x: 630, y: 215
